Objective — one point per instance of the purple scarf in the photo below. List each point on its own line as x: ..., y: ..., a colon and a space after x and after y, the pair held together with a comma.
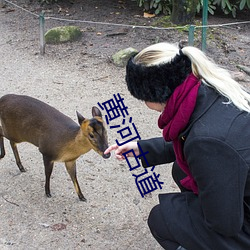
x: 174, y: 119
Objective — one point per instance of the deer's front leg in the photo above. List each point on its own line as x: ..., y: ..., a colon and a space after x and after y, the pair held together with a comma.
x: 48, y: 165
x: 71, y: 168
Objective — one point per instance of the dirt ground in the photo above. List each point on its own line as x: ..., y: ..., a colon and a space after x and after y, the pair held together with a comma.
x: 76, y: 76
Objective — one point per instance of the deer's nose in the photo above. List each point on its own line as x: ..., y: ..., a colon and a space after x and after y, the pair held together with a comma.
x: 106, y: 156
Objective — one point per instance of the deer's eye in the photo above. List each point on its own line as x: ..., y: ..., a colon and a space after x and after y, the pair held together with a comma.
x: 91, y: 136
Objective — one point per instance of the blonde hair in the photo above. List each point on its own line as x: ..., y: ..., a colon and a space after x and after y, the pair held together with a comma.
x: 202, y: 67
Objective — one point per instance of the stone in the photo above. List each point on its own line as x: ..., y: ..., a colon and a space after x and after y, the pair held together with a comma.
x: 121, y: 58
x: 63, y: 34
x: 239, y: 76
x: 2, y: 3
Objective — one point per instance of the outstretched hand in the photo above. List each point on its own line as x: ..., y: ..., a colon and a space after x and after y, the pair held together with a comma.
x: 119, y: 150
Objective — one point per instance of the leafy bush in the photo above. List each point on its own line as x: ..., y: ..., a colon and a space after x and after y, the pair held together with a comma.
x: 232, y: 6
x: 226, y: 6
x: 157, y: 6
x: 211, y: 7
x: 165, y: 6
x: 244, y: 3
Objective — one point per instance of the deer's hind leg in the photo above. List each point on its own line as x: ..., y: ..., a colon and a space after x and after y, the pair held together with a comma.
x: 1, y: 144
x: 15, y: 151
x: 71, y: 168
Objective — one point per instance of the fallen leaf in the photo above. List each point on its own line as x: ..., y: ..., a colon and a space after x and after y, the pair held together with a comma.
x: 147, y: 15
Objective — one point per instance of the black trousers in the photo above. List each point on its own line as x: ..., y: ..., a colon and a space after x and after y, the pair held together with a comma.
x: 156, y: 222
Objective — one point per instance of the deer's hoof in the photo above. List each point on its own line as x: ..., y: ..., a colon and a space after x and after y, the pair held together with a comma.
x: 82, y: 198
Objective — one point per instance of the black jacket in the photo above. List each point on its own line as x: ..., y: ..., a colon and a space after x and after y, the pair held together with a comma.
x: 216, y: 145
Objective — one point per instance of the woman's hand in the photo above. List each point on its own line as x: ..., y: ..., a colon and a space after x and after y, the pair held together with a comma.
x: 119, y: 150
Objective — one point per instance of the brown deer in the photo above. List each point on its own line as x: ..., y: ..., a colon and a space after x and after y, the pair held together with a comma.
x: 59, y: 138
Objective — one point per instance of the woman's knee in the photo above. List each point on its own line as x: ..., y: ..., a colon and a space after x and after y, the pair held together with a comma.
x: 159, y: 229
x: 154, y: 217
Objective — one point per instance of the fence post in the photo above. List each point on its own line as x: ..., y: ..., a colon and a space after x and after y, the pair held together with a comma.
x: 204, y: 24
x: 42, y: 31
x: 191, y: 35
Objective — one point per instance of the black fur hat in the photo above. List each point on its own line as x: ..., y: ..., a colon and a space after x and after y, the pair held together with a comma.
x: 156, y: 83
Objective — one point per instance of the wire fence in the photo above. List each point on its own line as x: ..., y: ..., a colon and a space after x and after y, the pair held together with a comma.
x: 191, y: 28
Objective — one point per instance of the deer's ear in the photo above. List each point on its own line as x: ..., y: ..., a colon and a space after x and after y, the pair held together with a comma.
x: 80, y: 118
x: 96, y: 112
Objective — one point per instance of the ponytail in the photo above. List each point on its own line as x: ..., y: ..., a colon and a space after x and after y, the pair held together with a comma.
x: 218, y: 78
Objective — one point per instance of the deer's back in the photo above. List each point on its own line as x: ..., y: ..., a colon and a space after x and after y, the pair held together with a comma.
x: 24, y: 118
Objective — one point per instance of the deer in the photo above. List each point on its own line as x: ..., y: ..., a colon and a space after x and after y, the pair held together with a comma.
x: 58, y: 138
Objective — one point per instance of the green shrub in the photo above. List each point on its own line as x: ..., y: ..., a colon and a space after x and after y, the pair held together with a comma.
x: 232, y: 6
x: 157, y: 6
x: 211, y: 7
x: 227, y: 6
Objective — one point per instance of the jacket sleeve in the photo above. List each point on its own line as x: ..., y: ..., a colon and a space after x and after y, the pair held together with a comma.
x: 220, y: 173
x: 158, y: 152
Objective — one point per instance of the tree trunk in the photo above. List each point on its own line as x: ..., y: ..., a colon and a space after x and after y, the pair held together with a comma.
x: 183, y: 11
